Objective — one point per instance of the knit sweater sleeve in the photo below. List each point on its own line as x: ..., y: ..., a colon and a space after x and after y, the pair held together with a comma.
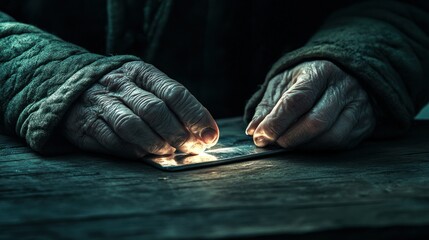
x: 40, y: 77
x: 385, y: 45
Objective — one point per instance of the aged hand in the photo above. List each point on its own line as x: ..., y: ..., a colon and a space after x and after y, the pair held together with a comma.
x: 136, y: 110
x: 314, y: 105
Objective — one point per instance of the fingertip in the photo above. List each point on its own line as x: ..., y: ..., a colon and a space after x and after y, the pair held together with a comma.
x: 262, y: 136
x: 193, y: 146
x: 197, y: 148
x: 251, y: 127
x: 205, y: 129
x: 261, y: 141
x: 250, y: 130
x: 209, y: 135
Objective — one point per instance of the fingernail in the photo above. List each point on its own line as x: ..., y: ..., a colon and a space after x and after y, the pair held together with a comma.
x: 250, y: 129
x: 208, y: 135
x: 261, y: 141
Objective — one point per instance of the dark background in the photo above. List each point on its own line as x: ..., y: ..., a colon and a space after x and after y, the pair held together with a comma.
x: 220, y: 49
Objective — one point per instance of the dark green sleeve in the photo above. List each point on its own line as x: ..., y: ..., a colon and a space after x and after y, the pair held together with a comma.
x: 385, y: 45
x: 40, y: 77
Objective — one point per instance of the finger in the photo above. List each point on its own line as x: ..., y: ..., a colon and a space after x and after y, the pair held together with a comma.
x: 154, y: 112
x: 271, y: 96
x: 323, y: 115
x: 293, y: 103
x: 340, y: 134
x: 133, y: 130
x: 79, y: 137
x: 130, y: 127
x: 364, y: 127
x: 187, y: 108
x: 108, y: 141
x: 316, y: 121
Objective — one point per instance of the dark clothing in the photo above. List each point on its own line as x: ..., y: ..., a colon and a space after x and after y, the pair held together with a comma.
x: 219, y: 49
x: 212, y: 47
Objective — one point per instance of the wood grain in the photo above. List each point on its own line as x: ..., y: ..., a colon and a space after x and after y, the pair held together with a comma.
x: 378, y: 190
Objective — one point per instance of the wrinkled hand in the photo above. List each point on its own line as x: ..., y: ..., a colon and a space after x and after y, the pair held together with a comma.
x: 314, y: 105
x: 136, y: 110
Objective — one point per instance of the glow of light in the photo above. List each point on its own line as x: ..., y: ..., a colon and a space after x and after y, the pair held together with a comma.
x: 202, y: 157
x: 222, y: 150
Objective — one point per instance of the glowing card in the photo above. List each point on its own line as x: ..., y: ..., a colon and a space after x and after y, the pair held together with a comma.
x: 234, y: 145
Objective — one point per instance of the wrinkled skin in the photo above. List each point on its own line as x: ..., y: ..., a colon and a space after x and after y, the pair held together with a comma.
x: 314, y: 105
x: 136, y: 110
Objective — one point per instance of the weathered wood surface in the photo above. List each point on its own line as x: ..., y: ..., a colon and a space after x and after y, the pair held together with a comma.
x: 380, y: 189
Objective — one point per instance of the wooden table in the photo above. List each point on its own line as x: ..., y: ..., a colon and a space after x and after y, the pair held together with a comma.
x: 379, y: 190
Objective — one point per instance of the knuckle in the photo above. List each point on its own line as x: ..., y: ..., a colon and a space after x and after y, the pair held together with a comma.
x: 176, y: 93
x: 131, y: 68
x: 132, y: 64
x: 149, y: 73
x: 154, y: 108
x: 93, y: 94
x: 117, y: 84
x: 147, y: 66
x: 125, y: 123
x: 108, y: 78
x: 133, y: 96
x: 298, y: 100
x: 114, y: 81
